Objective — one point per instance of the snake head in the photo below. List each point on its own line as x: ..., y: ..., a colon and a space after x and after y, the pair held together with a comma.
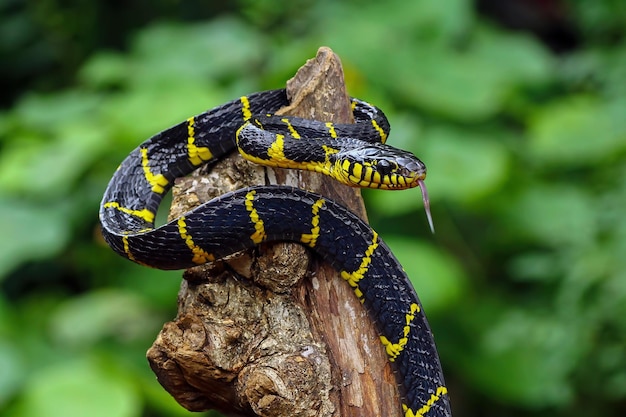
x: 381, y: 166
x: 375, y: 165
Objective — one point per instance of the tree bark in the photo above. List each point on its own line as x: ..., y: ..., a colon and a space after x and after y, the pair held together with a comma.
x: 275, y: 331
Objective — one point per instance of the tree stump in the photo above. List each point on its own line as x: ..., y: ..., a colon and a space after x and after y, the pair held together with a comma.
x: 275, y: 331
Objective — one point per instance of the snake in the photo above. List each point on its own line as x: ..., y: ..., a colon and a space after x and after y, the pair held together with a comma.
x: 355, y: 154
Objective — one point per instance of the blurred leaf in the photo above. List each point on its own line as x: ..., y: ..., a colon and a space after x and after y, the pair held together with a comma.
x: 612, y: 71
x: 51, y: 167
x: 12, y: 375
x: 195, y: 52
x: 105, y: 69
x: 77, y: 389
x: 471, y: 83
x: 445, y: 66
x: 433, y: 81
x: 599, y: 19
x: 414, y: 23
x: 7, y: 318
x: 578, y: 130
x: 30, y: 233
x: 554, y: 215
x: 463, y: 165
x: 438, y: 279
x: 516, y: 58
x: 159, y: 288
x: 47, y: 112
x: 84, y: 320
x: 537, y: 374
x: 586, y: 269
x: 539, y: 266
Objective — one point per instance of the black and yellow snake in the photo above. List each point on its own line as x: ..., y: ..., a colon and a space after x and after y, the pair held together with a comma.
x: 354, y: 154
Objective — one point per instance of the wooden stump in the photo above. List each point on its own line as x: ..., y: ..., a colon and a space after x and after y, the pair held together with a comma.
x: 275, y: 331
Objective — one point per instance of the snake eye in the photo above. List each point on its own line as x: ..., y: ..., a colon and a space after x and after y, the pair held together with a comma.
x: 383, y: 164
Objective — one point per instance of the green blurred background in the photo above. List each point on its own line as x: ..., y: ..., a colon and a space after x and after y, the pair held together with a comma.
x: 517, y: 107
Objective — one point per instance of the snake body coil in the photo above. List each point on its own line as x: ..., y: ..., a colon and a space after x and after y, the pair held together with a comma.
x: 353, y: 154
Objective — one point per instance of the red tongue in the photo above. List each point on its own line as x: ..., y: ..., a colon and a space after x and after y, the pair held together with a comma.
x: 426, y: 205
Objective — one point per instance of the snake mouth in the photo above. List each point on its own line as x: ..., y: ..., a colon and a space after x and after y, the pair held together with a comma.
x: 422, y: 185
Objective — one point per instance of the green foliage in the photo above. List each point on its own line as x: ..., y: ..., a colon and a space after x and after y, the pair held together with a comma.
x: 96, y: 391
x: 524, y: 281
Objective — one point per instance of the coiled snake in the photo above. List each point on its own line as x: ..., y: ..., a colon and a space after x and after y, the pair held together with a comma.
x: 354, y: 154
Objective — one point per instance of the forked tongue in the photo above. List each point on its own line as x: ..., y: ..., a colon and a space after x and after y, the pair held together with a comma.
x: 426, y: 205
